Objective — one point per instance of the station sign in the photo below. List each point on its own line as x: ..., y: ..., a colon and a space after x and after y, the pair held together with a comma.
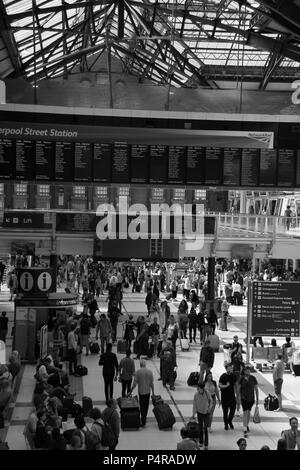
x: 276, y: 309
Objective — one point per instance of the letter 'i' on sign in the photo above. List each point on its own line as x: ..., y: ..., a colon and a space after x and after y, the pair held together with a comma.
x: 26, y: 281
x: 44, y: 281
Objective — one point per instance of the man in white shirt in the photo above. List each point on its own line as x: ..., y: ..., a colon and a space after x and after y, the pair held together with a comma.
x: 278, y: 372
x: 72, y: 350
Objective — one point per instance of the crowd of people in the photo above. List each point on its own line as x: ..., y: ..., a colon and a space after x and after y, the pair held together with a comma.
x: 152, y: 334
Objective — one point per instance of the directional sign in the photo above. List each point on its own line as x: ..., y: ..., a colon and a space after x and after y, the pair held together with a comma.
x: 276, y: 309
x: 26, y: 281
x: 44, y: 281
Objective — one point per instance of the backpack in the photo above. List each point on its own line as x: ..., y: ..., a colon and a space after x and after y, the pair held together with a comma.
x: 108, y: 438
x: 91, y: 440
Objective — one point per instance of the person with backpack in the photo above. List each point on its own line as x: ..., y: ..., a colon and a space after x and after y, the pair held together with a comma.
x: 97, y: 430
x: 202, y: 404
x: 111, y: 418
x: 168, y: 363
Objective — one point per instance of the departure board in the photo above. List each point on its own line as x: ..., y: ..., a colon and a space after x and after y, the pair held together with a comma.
x: 102, y: 162
x: 268, y: 167
x: 275, y: 308
x: 158, y: 164
x: 44, y: 160
x: 250, y: 167
x: 286, y: 167
x: 195, y: 167
x: 232, y: 166
x: 139, y: 163
x: 176, y: 164
x: 83, y: 161
x: 213, y: 166
x: 120, y: 163
x: 297, y: 168
x: 64, y: 161
x: 25, y: 152
x: 7, y: 158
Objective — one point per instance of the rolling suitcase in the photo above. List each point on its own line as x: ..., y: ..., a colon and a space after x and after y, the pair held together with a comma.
x: 130, y: 419
x: 64, y: 414
x: 87, y: 405
x: 76, y: 410
x: 121, y: 346
x: 150, y: 351
x: 135, y: 349
x: 214, y: 342
x: 296, y: 369
x: 156, y: 399
x: 164, y: 416
x: 169, y: 296
x: 68, y: 403
x: 193, y: 429
x: 184, y: 344
x: 128, y: 403
x: 138, y: 288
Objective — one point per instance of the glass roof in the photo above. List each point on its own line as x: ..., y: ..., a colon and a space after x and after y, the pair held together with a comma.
x: 168, y: 42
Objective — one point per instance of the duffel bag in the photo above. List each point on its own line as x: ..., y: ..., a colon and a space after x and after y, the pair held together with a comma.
x: 271, y: 403
x: 193, y: 379
x: 81, y: 370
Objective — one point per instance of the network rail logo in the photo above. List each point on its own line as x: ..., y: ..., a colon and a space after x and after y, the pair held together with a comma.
x: 181, y: 222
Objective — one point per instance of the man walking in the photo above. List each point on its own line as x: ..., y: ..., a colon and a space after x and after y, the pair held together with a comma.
x: 247, y: 389
x: 228, y: 387
x: 72, y: 350
x: 104, y: 329
x: 144, y: 380
x: 3, y: 327
x: 110, y: 365
x: 126, y: 372
x: 207, y: 357
x: 292, y: 435
x: 278, y: 379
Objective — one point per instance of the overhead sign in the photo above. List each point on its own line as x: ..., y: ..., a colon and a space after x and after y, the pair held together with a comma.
x: 24, y: 220
x: 276, y: 309
x: 36, y: 281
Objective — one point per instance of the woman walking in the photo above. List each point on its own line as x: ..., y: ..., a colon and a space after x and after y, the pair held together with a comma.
x: 201, y: 405
x: 212, y: 387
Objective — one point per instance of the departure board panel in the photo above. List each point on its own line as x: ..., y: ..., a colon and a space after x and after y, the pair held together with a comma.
x: 25, y: 153
x: 139, y: 163
x: 286, y: 167
x: 158, y: 164
x: 275, y: 308
x: 195, y: 169
x: 250, y: 167
x: 297, y: 168
x: 213, y: 166
x: 64, y: 161
x: 120, y: 163
x: 102, y: 162
x: 44, y: 160
x: 232, y: 166
x: 83, y: 161
x: 7, y: 158
x: 268, y: 167
x: 196, y: 151
x: 176, y: 164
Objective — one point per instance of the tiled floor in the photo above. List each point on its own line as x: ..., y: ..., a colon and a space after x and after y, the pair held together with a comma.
x: 180, y: 400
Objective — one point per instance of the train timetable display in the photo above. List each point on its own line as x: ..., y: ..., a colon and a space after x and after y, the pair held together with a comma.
x: 286, y: 167
x: 64, y: 161
x: 195, y: 166
x: 139, y: 163
x: 232, y: 166
x: 83, y: 161
x: 120, y: 163
x: 275, y: 308
x: 44, y: 160
x: 177, y: 164
x: 101, y: 162
x: 7, y: 158
x: 25, y: 151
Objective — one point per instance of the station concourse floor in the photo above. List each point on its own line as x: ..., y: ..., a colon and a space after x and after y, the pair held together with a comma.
x: 180, y: 400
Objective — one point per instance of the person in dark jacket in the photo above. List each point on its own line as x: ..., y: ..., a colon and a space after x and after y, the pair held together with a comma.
x: 207, y: 357
x: 129, y: 331
x: 142, y: 337
x: 149, y: 300
x: 113, y: 314
x: 168, y: 363
x: 85, y: 329
x: 3, y: 327
x: 193, y: 323
x: 110, y: 365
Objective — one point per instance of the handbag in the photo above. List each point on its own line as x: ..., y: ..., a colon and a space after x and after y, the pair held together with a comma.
x: 256, y: 416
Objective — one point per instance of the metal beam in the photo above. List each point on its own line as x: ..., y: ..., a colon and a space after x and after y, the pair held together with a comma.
x: 267, y: 44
